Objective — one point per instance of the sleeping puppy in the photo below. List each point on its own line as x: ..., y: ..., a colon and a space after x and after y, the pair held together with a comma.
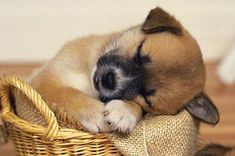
x: 107, y: 82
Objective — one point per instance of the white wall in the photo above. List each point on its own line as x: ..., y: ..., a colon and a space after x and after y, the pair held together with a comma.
x: 33, y: 30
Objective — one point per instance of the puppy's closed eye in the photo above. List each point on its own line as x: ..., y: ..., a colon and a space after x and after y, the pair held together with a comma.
x: 145, y: 94
x: 140, y: 59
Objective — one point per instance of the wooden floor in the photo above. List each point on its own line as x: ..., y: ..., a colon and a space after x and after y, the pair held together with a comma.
x: 222, y: 95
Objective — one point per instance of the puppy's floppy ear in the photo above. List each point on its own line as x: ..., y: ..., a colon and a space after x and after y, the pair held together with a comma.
x: 203, y: 108
x: 214, y: 150
x: 158, y: 20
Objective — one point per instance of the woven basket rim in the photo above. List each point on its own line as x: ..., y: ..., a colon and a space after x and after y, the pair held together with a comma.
x: 53, y: 130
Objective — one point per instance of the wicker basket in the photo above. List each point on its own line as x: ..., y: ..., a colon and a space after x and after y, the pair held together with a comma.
x: 177, y: 137
x: 31, y: 139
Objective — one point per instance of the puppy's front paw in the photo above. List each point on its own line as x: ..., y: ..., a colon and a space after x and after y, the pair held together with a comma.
x: 121, y: 116
x: 94, y: 122
x: 90, y: 116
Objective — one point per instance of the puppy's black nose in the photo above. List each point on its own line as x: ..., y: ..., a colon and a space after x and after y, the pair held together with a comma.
x: 108, y: 80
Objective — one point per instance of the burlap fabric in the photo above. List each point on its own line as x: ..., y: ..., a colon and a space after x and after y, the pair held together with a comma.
x: 158, y: 135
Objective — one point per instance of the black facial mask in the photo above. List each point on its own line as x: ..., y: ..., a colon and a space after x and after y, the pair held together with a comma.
x: 118, y: 77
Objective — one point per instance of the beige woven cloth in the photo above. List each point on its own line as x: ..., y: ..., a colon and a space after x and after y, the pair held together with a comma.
x: 159, y: 135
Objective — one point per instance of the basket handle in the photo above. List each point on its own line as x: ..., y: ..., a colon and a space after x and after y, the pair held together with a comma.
x: 5, y: 83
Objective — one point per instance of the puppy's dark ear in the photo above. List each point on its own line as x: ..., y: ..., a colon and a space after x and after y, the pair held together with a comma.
x: 214, y: 150
x: 159, y: 20
x: 203, y: 108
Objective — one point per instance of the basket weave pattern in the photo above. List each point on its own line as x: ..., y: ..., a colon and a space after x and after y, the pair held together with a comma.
x: 32, y: 139
x: 159, y: 135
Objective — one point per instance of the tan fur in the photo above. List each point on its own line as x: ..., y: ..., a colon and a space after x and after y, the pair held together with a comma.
x: 76, y: 57
x: 176, y: 71
x: 232, y: 153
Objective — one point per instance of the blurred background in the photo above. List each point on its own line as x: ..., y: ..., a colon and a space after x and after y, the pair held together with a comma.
x: 32, y: 31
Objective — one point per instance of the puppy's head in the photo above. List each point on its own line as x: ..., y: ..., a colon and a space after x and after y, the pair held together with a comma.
x: 158, y: 64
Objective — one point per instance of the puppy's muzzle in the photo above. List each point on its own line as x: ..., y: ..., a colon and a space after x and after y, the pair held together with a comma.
x: 117, y: 77
x: 108, y: 80
x: 104, y: 80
